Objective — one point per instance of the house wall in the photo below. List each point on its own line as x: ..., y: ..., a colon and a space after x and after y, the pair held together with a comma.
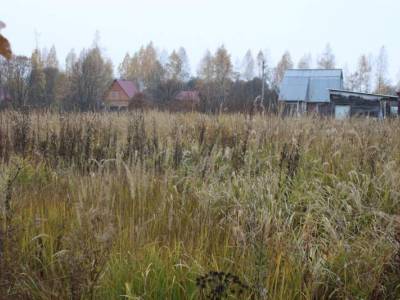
x: 323, y: 109
x: 116, y: 97
x: 367, y: 108
x: 360, y: 106
x: 293, y: 108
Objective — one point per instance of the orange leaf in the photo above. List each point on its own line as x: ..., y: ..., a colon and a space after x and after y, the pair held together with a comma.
x: 5, y: 49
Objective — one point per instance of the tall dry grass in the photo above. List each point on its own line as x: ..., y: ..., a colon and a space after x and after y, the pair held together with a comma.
x: 192, y: 206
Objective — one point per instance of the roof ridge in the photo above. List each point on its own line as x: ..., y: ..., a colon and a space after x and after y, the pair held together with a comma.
x: 314, y: 69
x: 362, y: 93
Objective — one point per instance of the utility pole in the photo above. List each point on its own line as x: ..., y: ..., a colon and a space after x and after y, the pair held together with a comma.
x: 263, y: 82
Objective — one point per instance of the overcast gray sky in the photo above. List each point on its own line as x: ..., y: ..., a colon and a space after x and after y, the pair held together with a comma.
x: 352, y: 27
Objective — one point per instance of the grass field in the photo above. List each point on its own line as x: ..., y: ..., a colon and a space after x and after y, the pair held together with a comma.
x: 192, y: 206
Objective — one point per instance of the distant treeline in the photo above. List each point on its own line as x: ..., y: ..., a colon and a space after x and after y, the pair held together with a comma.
x: 39, y: 81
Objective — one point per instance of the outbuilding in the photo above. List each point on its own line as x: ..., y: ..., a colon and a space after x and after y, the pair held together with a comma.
x: 321, y: 92
x: 350, y: 104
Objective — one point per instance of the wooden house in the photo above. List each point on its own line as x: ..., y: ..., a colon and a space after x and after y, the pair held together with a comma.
x: 119, y: 95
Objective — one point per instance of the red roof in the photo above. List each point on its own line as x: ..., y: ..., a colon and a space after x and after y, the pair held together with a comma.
x: 188, y: 95
x: 129, y: 87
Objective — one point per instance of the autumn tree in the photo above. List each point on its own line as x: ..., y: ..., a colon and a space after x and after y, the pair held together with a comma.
x: 364, y: 70
x: 175, y: 67
x: 150, y: 68
x: 143, y: 67
x: 248, y: 66
x: 206, y: 67
x: 305, y: 62
x: 124, y: 67
x: 222, y: 65
x: 91, y: 75
x: 163, y: 56
x: 352, y: 82
x: 263, y: 61
x: 205, y: 73
x: 5, y: 48
x: 222, y: 73
x: 185, y: 73
x: 327, y: 59
x: 70, y: 61
x: 37, y: 81
x: 50, y: 60
x: 381, y: 70
x: 167, y: 88
x: 215, y: 73
x: 284, y: 64
x: 52, y: 76
x: 18, y: 71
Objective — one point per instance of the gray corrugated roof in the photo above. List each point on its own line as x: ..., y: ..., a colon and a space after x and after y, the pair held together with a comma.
x: 361, y: 94
x: 310, y: 85
x: 314, y: 72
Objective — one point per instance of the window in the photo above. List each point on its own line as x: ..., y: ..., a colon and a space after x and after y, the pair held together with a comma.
x: 394, y: 110
x: 342, y: 111
x: 114, y: 95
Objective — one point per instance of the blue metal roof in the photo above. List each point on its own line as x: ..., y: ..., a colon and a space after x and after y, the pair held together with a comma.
x: 310, y: 85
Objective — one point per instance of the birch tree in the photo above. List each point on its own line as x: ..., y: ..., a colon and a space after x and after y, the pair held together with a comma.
x: 124, y: 67
x: 364, y: 71
x: 91, y: 75
x: 248, y: 66
x: 206, y: 67
x: 381, y: 71
x: 305, y: 62
x: 327, y: 59
x: 185, y: 72
x: 144, y: 67
x: 284, y: 64
x: 222, y: 72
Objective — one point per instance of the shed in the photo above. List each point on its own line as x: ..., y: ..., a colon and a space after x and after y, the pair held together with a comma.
x: 348, y: 104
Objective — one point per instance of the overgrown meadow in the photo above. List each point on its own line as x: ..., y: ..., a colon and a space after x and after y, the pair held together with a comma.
x: 157, y: 205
